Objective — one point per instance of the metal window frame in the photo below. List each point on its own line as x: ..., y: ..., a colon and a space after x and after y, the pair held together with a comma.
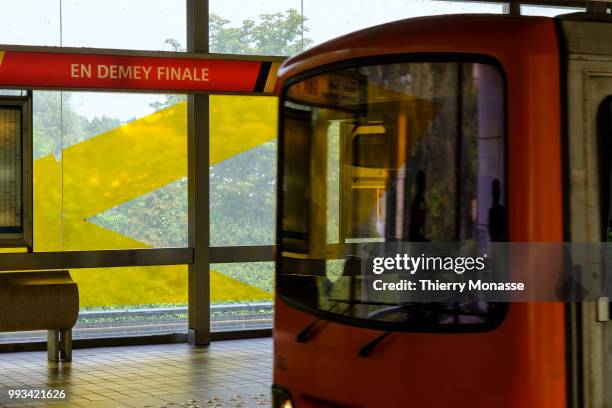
x: 198, y: 179
x: 113, y: 258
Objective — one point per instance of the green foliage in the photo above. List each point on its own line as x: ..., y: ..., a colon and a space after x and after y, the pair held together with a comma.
x: 158, y: 218
x: 274, y: 34
x: 169, y: 100
x: 258, y: 274
x: 242, y: 198
x: 47, y: 124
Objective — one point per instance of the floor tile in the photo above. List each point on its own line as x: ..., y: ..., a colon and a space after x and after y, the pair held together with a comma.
x: 233, y: 373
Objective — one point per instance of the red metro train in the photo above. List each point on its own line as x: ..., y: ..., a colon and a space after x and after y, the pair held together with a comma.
x: 487, y: 111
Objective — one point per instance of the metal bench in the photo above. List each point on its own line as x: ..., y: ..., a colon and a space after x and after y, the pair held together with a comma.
x: 41, y: 301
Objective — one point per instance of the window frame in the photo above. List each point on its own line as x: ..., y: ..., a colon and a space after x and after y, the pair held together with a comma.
x: 22, y: 238
x: 474, y: 58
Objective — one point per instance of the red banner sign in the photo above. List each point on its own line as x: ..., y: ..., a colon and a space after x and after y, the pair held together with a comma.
x: 93, y: 71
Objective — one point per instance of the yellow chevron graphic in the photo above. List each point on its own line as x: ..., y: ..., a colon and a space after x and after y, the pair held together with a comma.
x: 1, y: 57
x: 124, y: 163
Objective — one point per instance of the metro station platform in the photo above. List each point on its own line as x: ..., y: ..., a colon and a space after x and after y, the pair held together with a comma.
x: 234, y: 373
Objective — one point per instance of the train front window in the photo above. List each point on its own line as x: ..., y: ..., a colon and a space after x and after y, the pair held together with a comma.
x: 409, y: 152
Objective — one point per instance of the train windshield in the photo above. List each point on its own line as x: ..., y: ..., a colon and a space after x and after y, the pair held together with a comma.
x: 408, y: 151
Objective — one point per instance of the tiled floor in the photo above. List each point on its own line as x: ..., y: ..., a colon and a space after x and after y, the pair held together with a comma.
x: 227, y: 374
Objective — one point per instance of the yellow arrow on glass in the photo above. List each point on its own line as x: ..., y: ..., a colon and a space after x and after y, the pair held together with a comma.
x: 148, y: 153
x: 127, y: 162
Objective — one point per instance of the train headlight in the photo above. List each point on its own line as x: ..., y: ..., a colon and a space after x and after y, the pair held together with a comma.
x: 281, y: 398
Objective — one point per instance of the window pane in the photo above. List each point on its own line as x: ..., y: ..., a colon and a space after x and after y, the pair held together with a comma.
x: 403, y: 152
x: 125, y: 24
x: 30, y: 22
x: 109, y: 171
x: 243, y: 170
x: 241, y: 296
x: 47, y: 171
x: 121, y: 24
x: 548, y: 11
x: 264, y: 27
x: 129, y: 287
x: 329, y: 19
x: 275, y: 27
x: 124, y: 172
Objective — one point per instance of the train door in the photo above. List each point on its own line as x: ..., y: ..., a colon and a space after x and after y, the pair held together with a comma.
x: 589, y: 154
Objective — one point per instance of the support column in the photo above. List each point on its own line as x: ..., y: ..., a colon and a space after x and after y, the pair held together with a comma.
x: 514, y: 7
x: 597, y: 7
x: 198, y: 189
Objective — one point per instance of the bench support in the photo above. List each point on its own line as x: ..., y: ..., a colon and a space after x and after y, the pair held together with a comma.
x: 59, y: 345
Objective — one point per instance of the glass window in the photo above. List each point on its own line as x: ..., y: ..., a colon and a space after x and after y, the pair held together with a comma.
x: 263, y: 27
x: 275, y: 27
x: 30, y: 22
x: 241, y: 296
x: 330, y: 19
x: 403, y: 152
x: 120, y: 24
x: 110, y: 171
x: 548, y: 11
x: 125, y: 24
x: 47, y: 171
x: 243, y: 133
